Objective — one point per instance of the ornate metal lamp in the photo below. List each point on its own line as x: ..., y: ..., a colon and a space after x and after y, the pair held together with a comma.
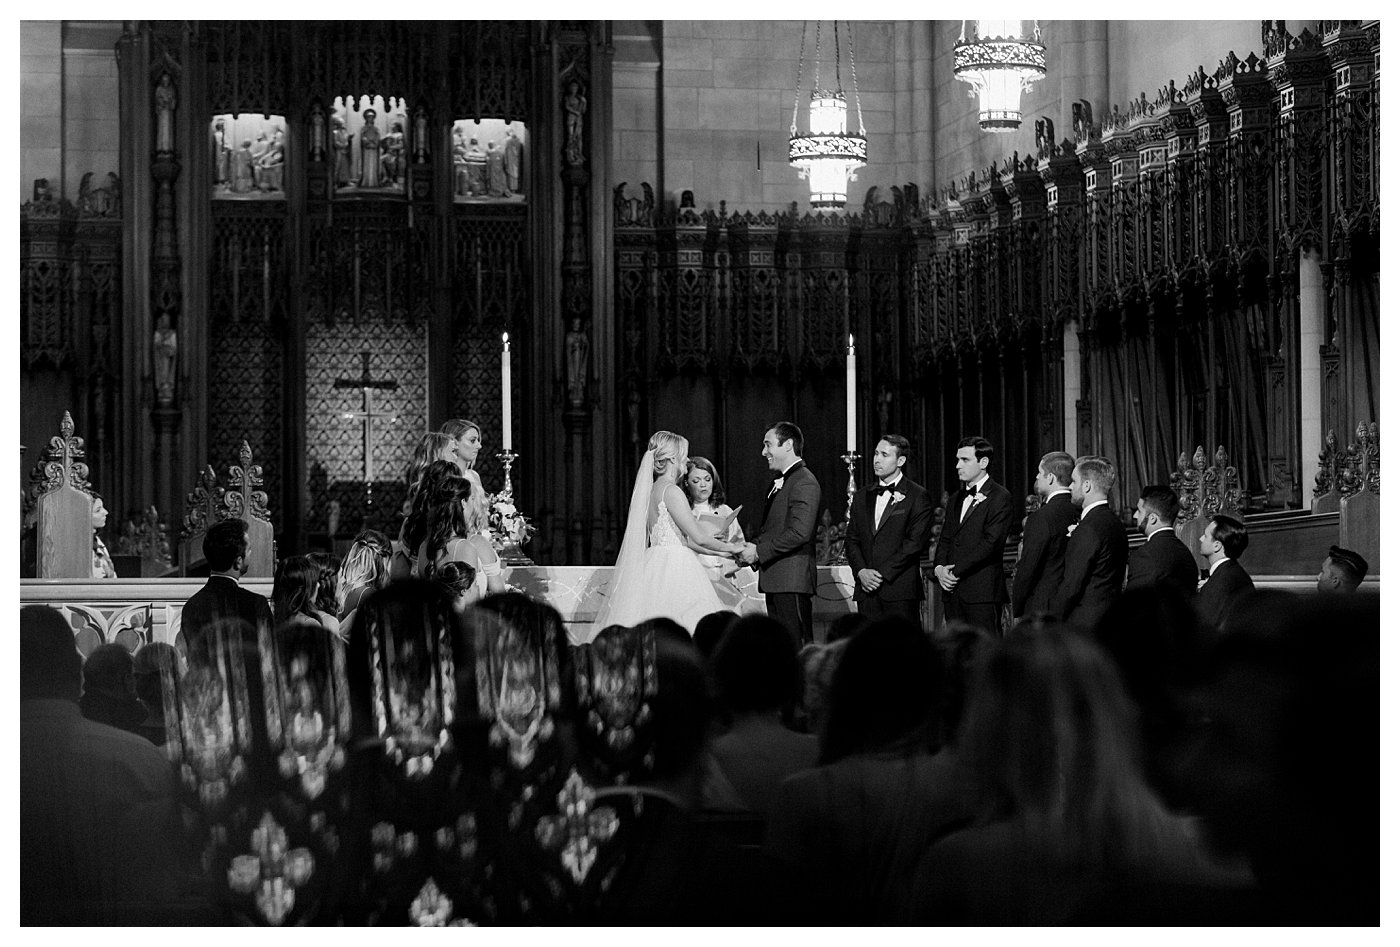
x: 999, y: 61
x: 828, y: 155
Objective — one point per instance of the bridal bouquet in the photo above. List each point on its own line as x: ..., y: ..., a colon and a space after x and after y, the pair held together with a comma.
x: 508, y: 525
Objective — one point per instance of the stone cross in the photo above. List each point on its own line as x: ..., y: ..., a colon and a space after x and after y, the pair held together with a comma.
x: 367, y: 385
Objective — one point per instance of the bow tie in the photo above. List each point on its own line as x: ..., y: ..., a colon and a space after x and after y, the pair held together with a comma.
x: 884, y: 488
x: 970, y: 491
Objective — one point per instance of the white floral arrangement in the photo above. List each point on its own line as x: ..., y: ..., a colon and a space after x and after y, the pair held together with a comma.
x: 507, y: 524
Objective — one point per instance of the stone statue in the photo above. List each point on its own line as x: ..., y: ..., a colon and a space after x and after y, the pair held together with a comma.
x: 165, y: 113
x: 476, y: 170
x: 318, y: 134
x: 515, y: 153
x: 496, y: 171
x: 340, y: 144
x: 648, y: 203
x: 43, y: 193
x: 259, y: 149
x: 86, y: 201
x: 391, y: 156
x: 576, y: 347
x: 575, y: 105
x: 164, y: 346
x: 461, y: 183
x: 369, y: 151
x: 271, y: 162
x: 219, y: 153
x: 243, y: 168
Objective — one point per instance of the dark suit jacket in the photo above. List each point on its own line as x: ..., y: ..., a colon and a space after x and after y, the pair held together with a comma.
x: 1163, y: 560
x: 974, y: 547
x: 222, y: 597
x: 1041, y: 567
x: 893, y: 546
x: 787, y: 542
x: 1096, y: 557
x: 1221, y: 591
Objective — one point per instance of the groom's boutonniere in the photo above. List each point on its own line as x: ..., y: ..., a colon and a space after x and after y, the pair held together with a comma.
x: 777, y: 485
x: 896, y: 497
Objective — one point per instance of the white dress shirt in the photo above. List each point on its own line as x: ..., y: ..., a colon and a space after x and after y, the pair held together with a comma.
x: 882, y: 499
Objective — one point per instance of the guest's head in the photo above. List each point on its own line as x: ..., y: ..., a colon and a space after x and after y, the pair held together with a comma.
x: 1092, y: 480
x: 1224, y: 538
x: 447, y: 514
x: 466, y: 440
x: 846, y: 625
x: 148, y: 665
x: 367, y: 562
x: 1342, y: 571
x: 702, y: 484
x: 50, y: 666
x: 329, y: 595
x: 972, y: 458
x: 782, y: 445
x: 110, y: 672
x: 710, y: 629
x: 670, y: 452
x: 420, y: 498
x: 682, y: 710
x: 226, y: 546
x: 668, y: 628
x: 1157, y: 507
x: 294, y: 588
x: 756, y: 667
x: 1049, y: 735
x: 891, y: 453
x: 885, y: 692
x: 432, y: 446
x: 961, y: 650
x: 458, y: 581
x: 99, y: 513
x: 819, y: 663
x: 1054, y: 472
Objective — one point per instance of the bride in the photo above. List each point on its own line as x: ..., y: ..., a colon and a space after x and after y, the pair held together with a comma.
x: 658, y: 572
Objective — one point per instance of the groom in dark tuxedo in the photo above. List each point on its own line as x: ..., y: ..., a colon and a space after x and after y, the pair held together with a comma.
x: 886, y: 536
x: 967, y: 562
x: 786, y: 551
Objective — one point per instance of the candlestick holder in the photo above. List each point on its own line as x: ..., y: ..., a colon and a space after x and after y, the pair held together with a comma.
x: 850, y: 457
x: 507, y: 457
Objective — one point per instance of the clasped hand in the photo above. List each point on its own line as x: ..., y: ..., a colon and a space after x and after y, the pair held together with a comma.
x: 945, y: 577
x: 747, y: 554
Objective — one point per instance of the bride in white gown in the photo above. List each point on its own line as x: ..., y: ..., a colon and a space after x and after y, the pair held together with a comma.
x: 658, y: 572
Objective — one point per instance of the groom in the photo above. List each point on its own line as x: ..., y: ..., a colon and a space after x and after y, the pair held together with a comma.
x: 786, y: 551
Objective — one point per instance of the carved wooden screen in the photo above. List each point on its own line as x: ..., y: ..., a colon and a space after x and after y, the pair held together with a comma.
x: 247, y: 337
x: 490, y: 295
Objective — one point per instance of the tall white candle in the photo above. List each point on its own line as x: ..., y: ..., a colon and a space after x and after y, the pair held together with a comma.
x: 851, y: 394
x: 505, y: 391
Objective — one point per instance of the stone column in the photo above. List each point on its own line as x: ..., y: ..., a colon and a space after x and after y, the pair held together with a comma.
x: 1312, y: 310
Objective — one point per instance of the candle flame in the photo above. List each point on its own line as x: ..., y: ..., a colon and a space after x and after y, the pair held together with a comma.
x: 851, y: 341
x: 505, y: 338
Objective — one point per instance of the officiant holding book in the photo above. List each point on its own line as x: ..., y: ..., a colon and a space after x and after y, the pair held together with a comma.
x: 703, y: 488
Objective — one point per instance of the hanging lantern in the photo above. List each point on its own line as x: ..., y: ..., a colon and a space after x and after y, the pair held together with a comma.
x: 828, y: 155
x: 999, y: 61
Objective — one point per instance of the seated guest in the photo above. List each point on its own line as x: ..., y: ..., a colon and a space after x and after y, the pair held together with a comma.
x: 1285, y: 769
x: 818, y: 664
x: 1063, y: 812
x: 97, y: 805
x: 328, y: 595
x: 1342, y: 571
x: 102, y: 567
x: 1223, y: 542
x: 458, y: 580
x: 756, y: 669
x: 1164, y: 558
x: 109, y: 689
x: 364, y: 571
x: 150, y: 663
x: 294, y: 594
x: 961, y: 648
x: 847, y: 835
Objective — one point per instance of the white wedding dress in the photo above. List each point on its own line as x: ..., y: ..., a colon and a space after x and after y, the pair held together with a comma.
x: 657, y: 575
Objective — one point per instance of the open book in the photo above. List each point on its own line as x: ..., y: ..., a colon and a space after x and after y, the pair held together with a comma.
x: 718, y: 525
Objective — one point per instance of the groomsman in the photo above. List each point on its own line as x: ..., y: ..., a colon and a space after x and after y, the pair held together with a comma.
x: 1041, y: 567
x: 1222, y: 543
x: 887, y: 534
x: 968, y: 560
x: 785, y: 553
x: 1096, y: 555
x: 1164, y: 558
